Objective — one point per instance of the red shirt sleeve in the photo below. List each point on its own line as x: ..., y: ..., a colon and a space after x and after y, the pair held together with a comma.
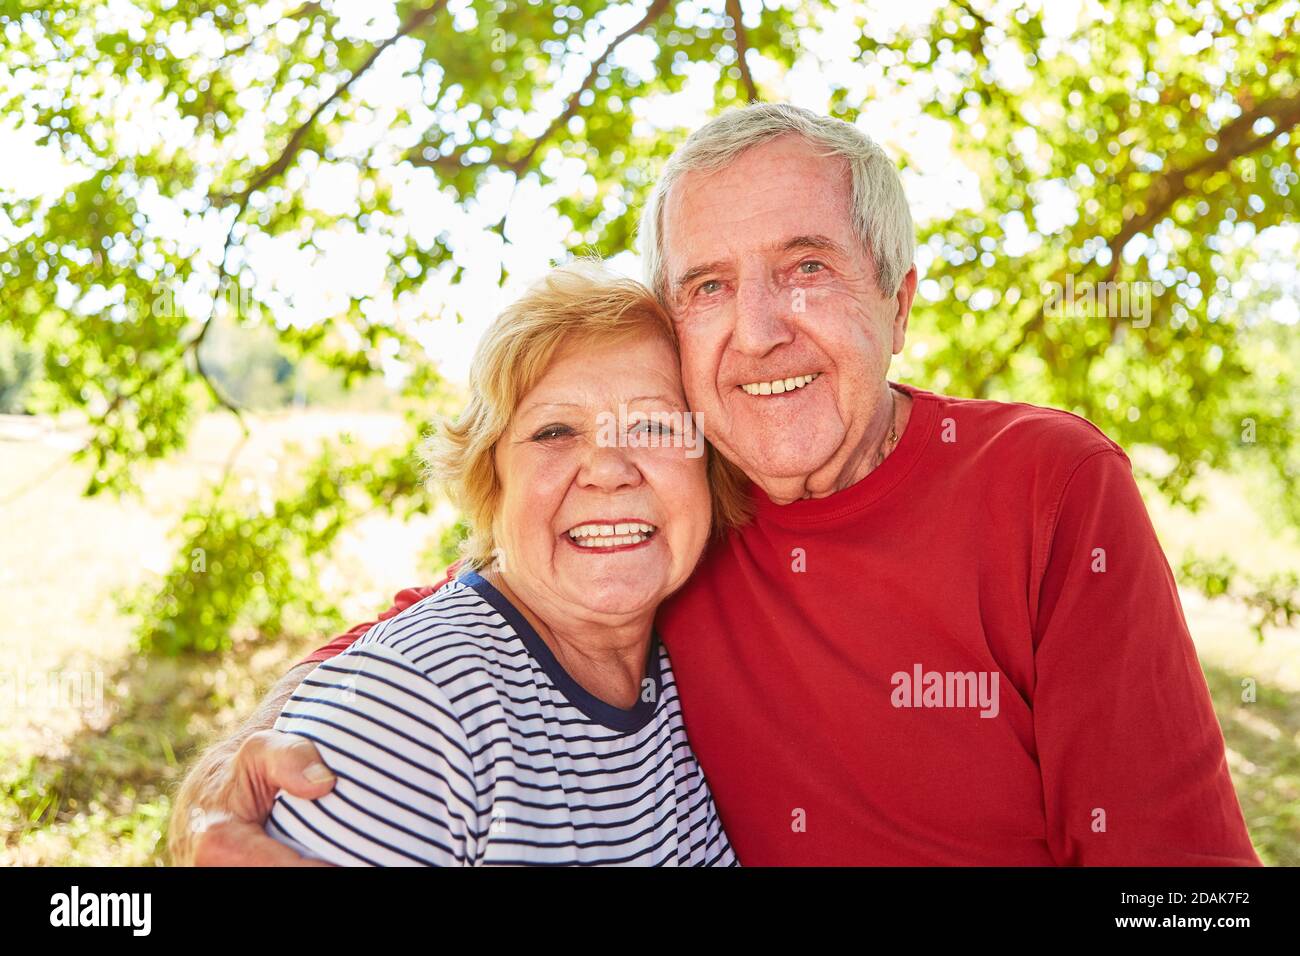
x: 1131, y: 752
x: 401, y: 602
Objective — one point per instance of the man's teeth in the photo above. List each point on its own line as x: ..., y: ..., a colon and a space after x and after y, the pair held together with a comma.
x: 610, y: 535
x: 777, y: 386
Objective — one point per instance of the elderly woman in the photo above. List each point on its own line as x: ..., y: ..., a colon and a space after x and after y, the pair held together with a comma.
x: 525, y: 712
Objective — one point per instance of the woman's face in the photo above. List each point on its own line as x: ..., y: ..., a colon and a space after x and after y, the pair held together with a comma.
x: 605, y: 505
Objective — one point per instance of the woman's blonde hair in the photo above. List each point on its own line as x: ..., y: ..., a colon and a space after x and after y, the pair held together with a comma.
x: 583, y: 303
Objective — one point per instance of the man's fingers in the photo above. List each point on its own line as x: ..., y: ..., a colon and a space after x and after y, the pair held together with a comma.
x: 272, y: 761
x: 295, y: 766
x: 230, y: 831
x: 235, y: 843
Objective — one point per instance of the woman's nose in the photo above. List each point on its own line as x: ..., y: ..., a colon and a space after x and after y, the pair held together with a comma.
x: 609, y: 467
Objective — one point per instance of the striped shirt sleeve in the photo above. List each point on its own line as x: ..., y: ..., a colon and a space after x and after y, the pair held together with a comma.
x: 406, y: 791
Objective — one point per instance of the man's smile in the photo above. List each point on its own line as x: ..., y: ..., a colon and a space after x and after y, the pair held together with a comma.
x: 779, y: 386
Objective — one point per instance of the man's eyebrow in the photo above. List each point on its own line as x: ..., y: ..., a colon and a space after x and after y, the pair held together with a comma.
x: 812, y: 242
x: 694, y: 272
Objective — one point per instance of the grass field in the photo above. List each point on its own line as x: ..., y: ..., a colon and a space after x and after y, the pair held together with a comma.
x: 88, y: 763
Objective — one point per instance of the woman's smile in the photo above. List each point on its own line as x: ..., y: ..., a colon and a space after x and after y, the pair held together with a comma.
x: 605, y: 536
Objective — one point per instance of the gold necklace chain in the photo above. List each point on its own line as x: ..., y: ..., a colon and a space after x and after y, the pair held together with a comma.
x: 891, y: 440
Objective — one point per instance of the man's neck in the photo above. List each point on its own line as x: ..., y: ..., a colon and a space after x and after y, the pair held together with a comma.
x: 855, y: 462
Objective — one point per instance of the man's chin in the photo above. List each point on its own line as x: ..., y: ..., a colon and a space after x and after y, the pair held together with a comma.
x: 785, y: 479
x: 785, y: 453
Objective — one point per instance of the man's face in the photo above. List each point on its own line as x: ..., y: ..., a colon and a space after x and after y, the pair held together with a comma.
x: 768, y: 283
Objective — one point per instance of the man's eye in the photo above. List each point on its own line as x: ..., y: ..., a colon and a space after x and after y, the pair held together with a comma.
x: 709, y: 286
x: 550, y: 432
x: 811, y: 267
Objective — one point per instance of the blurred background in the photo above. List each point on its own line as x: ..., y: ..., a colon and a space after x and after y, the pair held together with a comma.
x: 246, y: 250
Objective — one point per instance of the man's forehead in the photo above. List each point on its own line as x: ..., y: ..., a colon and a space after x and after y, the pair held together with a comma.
x: 707, y: 218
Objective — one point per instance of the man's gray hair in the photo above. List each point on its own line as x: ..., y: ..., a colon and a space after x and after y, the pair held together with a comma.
x: 881, y: 217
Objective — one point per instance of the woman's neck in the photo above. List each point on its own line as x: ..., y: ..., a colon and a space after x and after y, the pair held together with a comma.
x: 606, y: 660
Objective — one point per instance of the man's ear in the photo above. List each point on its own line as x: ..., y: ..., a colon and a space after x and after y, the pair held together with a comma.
x: 903, y: 302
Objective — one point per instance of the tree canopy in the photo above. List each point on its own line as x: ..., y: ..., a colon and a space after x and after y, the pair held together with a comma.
x: 192, y: 144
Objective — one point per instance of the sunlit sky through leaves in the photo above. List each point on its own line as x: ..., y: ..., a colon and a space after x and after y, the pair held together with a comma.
x: 308, y: 285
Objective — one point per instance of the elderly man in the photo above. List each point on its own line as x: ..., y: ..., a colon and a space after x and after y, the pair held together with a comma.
x: 949, y: 635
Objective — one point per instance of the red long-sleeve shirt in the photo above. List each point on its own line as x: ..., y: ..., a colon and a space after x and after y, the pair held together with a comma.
x: 975, y: 655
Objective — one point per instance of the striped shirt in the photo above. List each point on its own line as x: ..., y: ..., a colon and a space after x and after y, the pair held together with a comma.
x: 458, y: 739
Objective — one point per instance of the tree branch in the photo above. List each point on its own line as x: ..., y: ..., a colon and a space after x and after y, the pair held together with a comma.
x: 742, y: 47
x: 313, y: 6
x: 1234, y: 141
x: 194, y: 345
x: 413, y: 22
x: 453, y: 162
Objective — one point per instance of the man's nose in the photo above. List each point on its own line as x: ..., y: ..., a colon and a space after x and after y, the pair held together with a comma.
x: 608, y: 467
x: 762, y: 317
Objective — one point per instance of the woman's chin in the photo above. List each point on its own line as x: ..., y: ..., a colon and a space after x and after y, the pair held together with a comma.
x: 615, y: 592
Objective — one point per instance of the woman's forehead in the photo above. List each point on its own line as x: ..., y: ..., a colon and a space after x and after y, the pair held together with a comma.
x: 644, y: 370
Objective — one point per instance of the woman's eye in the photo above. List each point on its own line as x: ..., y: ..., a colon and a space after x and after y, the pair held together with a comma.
x: 651, y: 426
x: 550, y: 432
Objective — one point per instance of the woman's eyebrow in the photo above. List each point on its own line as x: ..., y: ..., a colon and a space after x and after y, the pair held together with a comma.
x: 666, y: 399
x: 530, y: 406
x: 675, y: 404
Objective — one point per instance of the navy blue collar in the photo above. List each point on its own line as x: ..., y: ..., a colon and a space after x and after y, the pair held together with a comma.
x: 615, y: 718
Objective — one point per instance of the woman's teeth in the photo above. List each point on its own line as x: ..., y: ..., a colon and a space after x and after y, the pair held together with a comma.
x: 610, y: 535
x: 780, y: 385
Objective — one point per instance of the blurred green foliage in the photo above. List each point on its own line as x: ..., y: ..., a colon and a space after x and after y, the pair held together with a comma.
x: 18, y: 370
x: 1165, y: 129
x: 1272, y: 600
x: 1169, y: 128
x: 254, y: 370
x: 447, y: 549
x: 253, y: 564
